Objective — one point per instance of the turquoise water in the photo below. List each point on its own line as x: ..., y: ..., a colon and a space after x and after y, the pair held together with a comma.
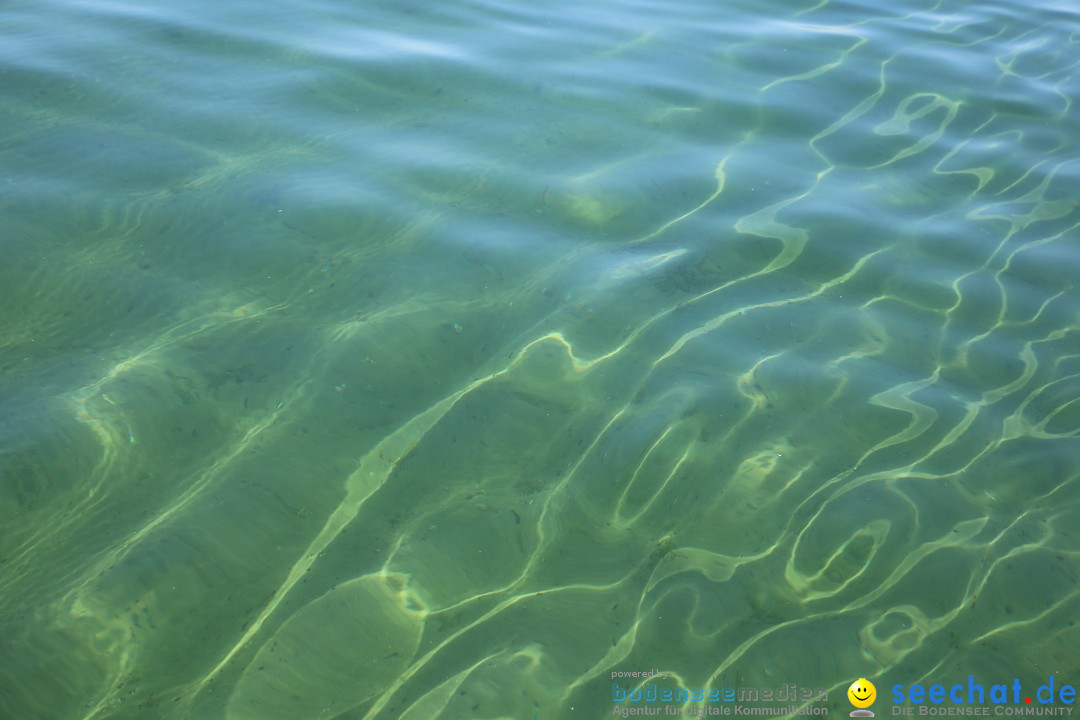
x: 414, y: 360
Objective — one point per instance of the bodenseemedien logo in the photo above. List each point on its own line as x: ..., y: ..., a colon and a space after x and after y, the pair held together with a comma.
x: 862, y: 694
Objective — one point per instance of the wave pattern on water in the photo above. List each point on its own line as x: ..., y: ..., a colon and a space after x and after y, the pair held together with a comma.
x: 388, y: 361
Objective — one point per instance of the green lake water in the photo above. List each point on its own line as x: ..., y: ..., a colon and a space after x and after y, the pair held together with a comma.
x: 372, y: 360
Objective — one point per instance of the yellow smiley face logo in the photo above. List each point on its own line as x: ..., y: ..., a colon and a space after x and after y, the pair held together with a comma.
x: 862, y: 693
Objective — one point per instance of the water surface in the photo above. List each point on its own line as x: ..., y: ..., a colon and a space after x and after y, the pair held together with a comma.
x: 382, y: 360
